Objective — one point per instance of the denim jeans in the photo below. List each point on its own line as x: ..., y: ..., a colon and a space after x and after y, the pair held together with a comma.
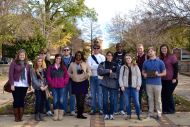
x: 143, y: 91
x: 119, y: 95
x: 96, y: 92
x: 58, y: 98
x: 134, y: 93
x: 39, y: 101
x: 68, y: 92
x: 108, y: 93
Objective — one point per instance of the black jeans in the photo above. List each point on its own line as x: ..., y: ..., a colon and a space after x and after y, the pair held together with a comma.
x: 18, y: 97
x: 40, y: 101
x: 80, y: 99
x: 143, y: 91
x: 168, y: 105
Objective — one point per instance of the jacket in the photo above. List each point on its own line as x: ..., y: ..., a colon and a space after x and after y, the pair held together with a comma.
x: 15, y: 70
x: 57, y: 82
x: 136, y: 76
x: 79, y: 77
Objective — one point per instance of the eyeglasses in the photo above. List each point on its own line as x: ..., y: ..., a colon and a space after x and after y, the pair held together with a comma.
x: 96, y: 48
x: 66, y: 50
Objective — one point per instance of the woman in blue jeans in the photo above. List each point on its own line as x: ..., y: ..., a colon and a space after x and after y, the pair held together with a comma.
x: 130, y: 82
x: 109, y: 83
x: 58, y: 78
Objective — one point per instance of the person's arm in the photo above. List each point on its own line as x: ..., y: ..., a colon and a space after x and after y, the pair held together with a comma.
x: 35, y: 82
x: 92, y: 64
x: 102, y: 71
x: 139, y: 77
x: 11, y: 73
x: 88, y: 71
x: 121, y: 75
x: 163, y: 70
x: 70, y: 70
x: 66, y: 75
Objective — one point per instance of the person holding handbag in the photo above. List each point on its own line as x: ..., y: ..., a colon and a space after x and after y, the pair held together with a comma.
x: 130, y: 83
x: 20, y: 80
x: 57, y: 78
x: 79, y: 72
x: 39, y: 83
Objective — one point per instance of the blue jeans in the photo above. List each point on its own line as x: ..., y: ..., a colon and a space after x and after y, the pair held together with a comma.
x: 121, y: 101
x: 134, y: 93
x: 108, y: 92
x: 96, y: 90
x: 68, y: 91
x: 58, y: 96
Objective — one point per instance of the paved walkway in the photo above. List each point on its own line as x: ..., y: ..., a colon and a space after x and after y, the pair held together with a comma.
x: 178, y: 119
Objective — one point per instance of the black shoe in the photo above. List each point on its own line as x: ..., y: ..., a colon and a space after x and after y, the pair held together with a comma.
x: 139, y: 118
x: 158, y: 118
x: 81, y: 117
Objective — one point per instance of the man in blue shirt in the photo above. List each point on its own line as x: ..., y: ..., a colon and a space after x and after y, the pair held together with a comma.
x: 153, y: 69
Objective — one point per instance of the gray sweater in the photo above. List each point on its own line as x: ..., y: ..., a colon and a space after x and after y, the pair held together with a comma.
x: 36, y: 82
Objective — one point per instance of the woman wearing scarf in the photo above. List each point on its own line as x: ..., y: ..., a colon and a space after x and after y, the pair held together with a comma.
x: 19, y: 78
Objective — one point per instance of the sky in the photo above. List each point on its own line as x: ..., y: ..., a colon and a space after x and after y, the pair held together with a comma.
x: 107, y: 9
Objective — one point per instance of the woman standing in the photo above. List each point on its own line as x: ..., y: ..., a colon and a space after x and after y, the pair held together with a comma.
x: 130, y: 83
x: 19, y: 78
x: 169, y: 82
x: 57, y: 77
x: 109, y: 83
x: 79, y: 72
x: 39, y: 83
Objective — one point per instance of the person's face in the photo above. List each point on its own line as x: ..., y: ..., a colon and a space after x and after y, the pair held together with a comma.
x: 66, y: 52
x: 109, y: 57
x: 22, y: 56
x: 96, y: 50
x: 39, y: 62
x: 78, y: 56
x: 164, y: 50
x: 128, y: 59
x: 151, y: 53
x: 43, y: 55
x: 119, y: 48
x: 58, y: 60
x: 140, y: 49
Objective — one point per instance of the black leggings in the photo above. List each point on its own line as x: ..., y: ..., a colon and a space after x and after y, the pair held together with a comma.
x: 80, y: 99
x: 18, y: 97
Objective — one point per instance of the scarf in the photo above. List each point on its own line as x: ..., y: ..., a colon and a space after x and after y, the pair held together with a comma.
x: 21, y: 62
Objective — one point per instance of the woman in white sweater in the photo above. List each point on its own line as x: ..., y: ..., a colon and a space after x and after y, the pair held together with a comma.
x: 130, y: 82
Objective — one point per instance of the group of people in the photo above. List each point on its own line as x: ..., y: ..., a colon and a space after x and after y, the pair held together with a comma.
x: 113, y: 79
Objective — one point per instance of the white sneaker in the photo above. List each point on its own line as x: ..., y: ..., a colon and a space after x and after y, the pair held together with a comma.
x: 106, y: 117
x: 122, y: 112
x: 73, y: 113
x: 111, y: 117
x: 49, y: 113
x: 116, y: 113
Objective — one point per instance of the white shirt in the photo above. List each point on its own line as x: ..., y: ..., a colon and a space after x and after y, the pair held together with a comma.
x: 93, y: 65
x: 22, y: 83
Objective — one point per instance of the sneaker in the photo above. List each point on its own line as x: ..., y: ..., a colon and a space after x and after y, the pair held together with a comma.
x: 73, y: 113
x: 139, y: 118
x: 100, y: 112
x: 116, y: 113
x: 122, y: 112
x: 49, y: 113
x: 111, y: 117
x: 92, y: 112
x: 158, y: 118
x: 106, y: 117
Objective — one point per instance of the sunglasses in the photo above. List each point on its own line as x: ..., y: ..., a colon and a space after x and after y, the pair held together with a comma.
x: 66, y: 50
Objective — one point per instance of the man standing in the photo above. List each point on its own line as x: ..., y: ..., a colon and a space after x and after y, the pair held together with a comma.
x: 96, y: 90
x: 141, y: 57
x: 118, y: 59
x: 67, y: 59
x: 153, y: 69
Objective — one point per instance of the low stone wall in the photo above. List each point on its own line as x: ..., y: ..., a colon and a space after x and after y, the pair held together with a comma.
x: 4, y: 69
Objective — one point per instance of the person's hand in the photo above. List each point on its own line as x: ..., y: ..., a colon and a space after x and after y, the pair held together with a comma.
x: 42, y: 88
x: 174, y: 80
x: 123, y: 88
x: 110, y: 71
x: 156, y: 73
x: 145, y: 75
x: 12, y: 87
x: 138, y: 88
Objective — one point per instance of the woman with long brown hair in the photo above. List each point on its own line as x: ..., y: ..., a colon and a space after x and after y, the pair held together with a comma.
x: 39, y: 83
x: 19, y: 78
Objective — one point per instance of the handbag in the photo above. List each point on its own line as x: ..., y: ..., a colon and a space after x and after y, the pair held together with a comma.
x: 7, y: 87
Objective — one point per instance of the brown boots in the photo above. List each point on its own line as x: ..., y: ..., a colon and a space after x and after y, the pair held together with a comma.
x: 18, y: 113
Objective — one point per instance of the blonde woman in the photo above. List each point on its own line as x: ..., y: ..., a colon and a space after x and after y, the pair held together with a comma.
x: 40, y: 85
x: 130, y: 83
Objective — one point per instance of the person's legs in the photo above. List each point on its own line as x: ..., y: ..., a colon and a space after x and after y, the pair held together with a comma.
x: 157, y: 91
x: 105, y: 100
x: 71, y: 100
x: 116, y: 101
x: 22, y: 95
x: 135, y: 95
x: 121, y: 103
x: 164, y: 96
x: 143, y: 91
x: 100, y: 96
x: 127, y: 94
x: 61, y: 94
x: 93, y: 88
x: 65, y: 98
x: 150, y: 93
x: 171, y: 103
